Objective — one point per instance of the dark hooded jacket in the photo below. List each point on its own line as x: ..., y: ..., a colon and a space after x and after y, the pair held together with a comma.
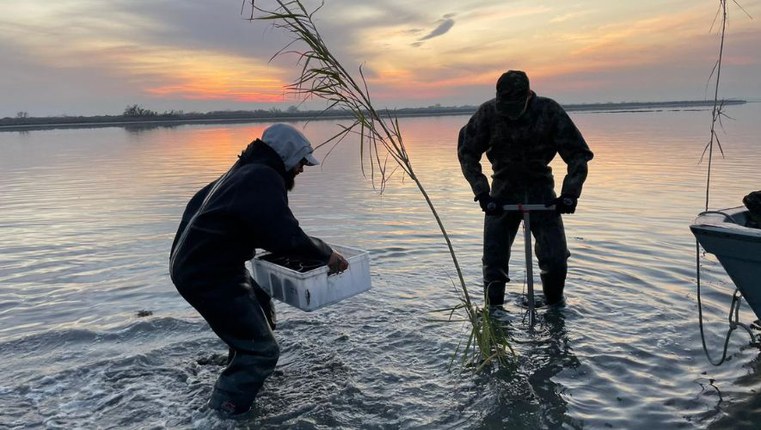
x: 520, y: 151
x: 226, y: 221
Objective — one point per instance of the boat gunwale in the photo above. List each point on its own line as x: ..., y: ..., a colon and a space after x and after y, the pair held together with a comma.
x: 709, y: 222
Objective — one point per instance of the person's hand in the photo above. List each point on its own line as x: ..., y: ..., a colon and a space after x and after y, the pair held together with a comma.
x: 488, y: 204
x: 337, y: 263
x: 564, y: 204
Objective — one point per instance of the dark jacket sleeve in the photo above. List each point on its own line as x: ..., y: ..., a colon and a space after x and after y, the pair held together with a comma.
x: 573, y: 149
x: 264, y: 210
x: 472, y: 142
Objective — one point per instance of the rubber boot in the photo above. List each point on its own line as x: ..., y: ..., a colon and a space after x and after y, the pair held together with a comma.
x: 227, y: 408
x: 552, y: 287
x: 494, y: 293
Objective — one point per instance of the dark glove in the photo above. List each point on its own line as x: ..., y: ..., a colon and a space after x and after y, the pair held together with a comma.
x: 488, y: 204
x: 564, y: 204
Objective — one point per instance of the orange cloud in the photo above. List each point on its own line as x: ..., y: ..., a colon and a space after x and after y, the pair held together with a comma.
x: 178, y: 73
x: 207, y: 76
x: 220, y: 86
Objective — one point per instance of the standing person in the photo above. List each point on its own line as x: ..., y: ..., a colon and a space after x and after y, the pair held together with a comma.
x: 223, y: 224
x: 520, y: 133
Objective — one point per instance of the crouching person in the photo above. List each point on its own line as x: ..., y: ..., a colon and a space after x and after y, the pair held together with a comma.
x: 222, y: 226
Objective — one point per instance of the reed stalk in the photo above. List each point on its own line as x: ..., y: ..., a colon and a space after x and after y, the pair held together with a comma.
x: 323, y: 76
x: 718, y: 104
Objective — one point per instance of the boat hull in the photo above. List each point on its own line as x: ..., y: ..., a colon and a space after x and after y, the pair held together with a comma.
x: 737, y: 247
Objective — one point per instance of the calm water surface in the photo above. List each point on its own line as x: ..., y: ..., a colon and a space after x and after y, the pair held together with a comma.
x: 88, y: 217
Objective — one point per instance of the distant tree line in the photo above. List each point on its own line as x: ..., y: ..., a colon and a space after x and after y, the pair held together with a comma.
x: 138, y: 114
x: 134, y: 114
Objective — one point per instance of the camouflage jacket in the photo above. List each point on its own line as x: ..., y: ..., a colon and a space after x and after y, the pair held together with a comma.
x: 521, y: 150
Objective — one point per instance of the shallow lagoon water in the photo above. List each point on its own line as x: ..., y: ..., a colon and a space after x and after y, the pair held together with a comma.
x: 93, y: 334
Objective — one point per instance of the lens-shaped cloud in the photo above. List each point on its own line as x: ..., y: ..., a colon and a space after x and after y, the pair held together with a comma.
x: 444, y: 25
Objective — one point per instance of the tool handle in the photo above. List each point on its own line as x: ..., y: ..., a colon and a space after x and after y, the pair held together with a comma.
x: 528, y: 207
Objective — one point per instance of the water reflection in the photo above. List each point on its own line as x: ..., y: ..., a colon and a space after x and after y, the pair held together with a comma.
x: 527, y: 395
x: 88, y: 217
x: 743, y: 408
x: 141, y: 127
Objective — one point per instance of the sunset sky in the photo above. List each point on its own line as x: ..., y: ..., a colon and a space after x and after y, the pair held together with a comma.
x: 89, y: 57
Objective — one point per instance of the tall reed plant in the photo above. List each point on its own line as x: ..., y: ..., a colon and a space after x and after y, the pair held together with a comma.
x: 323, y: 76
x: 718, y: 104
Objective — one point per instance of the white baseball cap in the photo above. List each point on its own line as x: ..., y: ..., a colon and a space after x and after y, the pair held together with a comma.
x: 290, y: 144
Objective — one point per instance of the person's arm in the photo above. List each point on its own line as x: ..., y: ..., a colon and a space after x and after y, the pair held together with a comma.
x: 472, y: 142
x: 573, y: 149
x: 265, y: 202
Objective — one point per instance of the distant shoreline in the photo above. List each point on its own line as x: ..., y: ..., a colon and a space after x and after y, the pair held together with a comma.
x: 236, y: 117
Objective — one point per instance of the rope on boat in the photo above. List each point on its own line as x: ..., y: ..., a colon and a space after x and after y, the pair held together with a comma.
x: 734, y: 316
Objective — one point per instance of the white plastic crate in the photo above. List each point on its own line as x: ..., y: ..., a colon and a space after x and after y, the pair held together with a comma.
x: 315, y: 288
